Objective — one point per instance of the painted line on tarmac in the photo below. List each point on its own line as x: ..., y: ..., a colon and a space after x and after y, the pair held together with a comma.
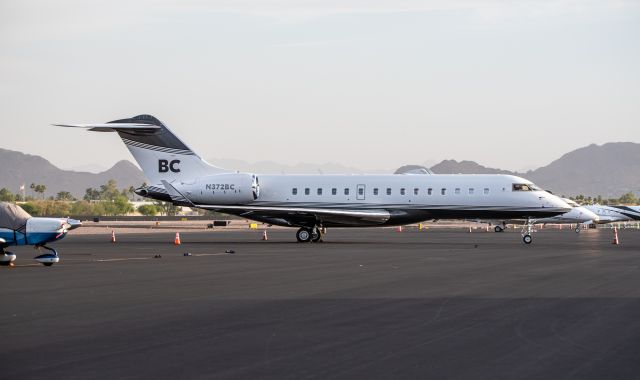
x: 124, y: 259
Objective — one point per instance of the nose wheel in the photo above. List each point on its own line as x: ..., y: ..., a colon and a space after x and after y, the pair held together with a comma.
x: 527, y: 230
x: 48, y: 259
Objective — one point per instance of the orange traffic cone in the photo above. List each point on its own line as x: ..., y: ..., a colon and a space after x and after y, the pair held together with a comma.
x: 615, y: 236
x: 113, y: 236
x: 176, y: 241
x: 264, y: 235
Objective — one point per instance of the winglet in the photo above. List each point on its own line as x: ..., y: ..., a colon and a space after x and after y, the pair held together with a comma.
x: 177, y: 197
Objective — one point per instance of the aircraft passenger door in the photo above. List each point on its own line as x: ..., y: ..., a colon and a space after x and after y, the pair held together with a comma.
x: 360, y: 191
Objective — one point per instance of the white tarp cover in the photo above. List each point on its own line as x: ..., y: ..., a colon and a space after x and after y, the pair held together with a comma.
x: 12, y: 216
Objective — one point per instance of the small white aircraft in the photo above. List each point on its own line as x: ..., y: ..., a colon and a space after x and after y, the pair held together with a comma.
x: 312, y: 202
x: 578, y: 215
x: 17, y: 227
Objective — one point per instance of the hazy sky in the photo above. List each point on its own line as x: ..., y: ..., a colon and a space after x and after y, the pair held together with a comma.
x: 369, y: 84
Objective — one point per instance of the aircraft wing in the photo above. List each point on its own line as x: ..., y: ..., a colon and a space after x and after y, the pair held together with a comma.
x: 297, y: 216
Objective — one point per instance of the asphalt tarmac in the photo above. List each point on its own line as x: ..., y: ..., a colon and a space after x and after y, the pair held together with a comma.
x: 367, y: 303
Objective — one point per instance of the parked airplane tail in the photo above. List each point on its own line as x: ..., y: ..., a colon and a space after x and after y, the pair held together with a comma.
x: 161, y: 155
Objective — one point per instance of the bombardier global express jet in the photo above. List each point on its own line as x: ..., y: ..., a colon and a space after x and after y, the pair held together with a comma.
x: 313, y: 202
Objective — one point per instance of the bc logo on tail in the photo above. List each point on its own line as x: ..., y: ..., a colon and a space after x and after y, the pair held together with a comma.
x: 165, y: 165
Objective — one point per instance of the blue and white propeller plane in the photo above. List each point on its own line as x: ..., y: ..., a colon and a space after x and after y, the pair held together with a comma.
x: 17, y: 227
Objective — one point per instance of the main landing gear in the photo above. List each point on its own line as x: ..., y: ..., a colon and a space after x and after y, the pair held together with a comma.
x: 7, y: 258
x: 305, y: 235
x: 48, y: 259
x: 527, y: 230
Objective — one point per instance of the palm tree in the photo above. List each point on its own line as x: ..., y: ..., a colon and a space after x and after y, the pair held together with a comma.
x: 131, y: 191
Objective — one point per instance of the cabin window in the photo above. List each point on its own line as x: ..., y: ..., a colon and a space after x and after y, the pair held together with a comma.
x: 360, y: 191
x: 402, y: 191
x: 375, y: 191
x: 319, y: 191
x: 443, y: 191
x: 294, y: 191
x: 457, y: 191
x: 306, y: 191
x: 471, y: 190
x: 415, y: 191
x: 346, y: 191
x: 388, y: 191
x: 334, y: 191
x: 486, y: 191
x: 429, y: 191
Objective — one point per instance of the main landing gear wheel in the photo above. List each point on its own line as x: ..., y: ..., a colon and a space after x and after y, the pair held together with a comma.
x: 498, y: 229
x: 304, y: 235
x: 316, y: 235
x: 7, y: 258
x: 527, y: 239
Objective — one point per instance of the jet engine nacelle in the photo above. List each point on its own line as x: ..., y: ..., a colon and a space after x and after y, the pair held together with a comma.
x: 222, y: 189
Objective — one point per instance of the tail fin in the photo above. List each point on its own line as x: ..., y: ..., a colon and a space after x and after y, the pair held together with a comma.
x: 161, y: 155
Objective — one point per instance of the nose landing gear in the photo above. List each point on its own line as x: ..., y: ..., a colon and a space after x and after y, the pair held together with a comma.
x: 48, y: 259
x: 527, y: 230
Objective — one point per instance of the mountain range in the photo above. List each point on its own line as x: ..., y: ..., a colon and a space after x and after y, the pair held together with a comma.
x: 17, y: 168
x: 609, y: 170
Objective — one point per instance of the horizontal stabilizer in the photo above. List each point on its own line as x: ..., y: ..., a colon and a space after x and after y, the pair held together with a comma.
x: 160, y: 153
x: 112, y: 127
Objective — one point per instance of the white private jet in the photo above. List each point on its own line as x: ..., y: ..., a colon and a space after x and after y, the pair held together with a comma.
x: 311, y: 202
x: 631, y: 212
x: 578, y: 215
x: 612, y: 214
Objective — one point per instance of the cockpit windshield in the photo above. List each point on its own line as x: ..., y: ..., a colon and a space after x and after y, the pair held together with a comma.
x: 525, y: 187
